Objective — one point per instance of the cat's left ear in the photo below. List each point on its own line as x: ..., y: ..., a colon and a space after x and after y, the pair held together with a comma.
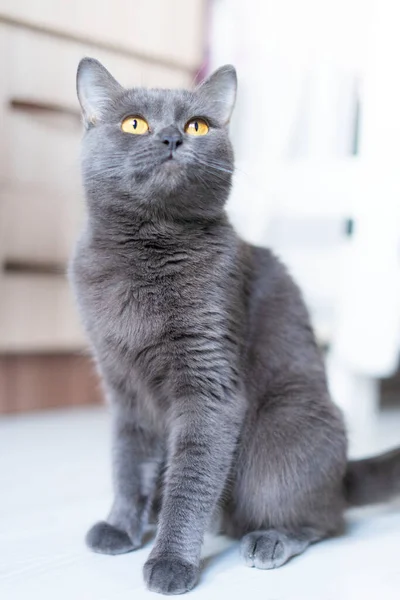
x: 220, y: 90
x: 96, y: 89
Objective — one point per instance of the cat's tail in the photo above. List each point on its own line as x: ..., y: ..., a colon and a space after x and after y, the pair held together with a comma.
x: 373, y: 480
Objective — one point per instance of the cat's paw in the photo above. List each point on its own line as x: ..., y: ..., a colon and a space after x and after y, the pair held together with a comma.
x: 107, y: 539
x: 265, y: 549
x: 170, y: 575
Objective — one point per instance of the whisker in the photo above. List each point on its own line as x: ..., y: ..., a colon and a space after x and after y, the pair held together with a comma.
x: 210, y: 165
x: 213, y: 161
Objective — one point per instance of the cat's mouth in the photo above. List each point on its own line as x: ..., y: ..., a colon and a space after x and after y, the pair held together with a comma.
x: 171, y: 161
x: 171, y: 156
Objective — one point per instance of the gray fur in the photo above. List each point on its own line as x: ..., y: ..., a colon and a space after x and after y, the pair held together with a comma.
x: 218, y: 390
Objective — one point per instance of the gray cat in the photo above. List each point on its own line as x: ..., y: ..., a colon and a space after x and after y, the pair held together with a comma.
x: 217, y: 387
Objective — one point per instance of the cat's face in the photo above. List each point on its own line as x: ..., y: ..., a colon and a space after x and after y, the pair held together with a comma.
x: 162, y: 151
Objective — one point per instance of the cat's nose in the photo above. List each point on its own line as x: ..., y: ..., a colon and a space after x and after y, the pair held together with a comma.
x: 171, y: 137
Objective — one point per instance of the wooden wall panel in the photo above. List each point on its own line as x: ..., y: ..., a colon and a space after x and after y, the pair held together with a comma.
x: 30, y: 382
x: 169, y: 32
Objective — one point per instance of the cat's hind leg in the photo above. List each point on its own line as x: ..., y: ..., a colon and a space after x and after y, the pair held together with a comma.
x: 286, y: 484
x: 272, y: 548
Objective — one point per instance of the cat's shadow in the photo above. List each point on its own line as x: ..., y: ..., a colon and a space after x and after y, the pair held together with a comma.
x: 149, y: 535
x: 219, y: 553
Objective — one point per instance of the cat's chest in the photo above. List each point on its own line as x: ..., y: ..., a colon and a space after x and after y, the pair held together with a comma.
x: 135, y: 307
x: 128, y: 311
x: 140, y: 309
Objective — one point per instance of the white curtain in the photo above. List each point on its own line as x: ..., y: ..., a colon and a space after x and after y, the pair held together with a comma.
x: 316, y: 132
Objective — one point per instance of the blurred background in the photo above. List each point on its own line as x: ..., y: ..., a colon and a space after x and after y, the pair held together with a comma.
x: 316, y: 133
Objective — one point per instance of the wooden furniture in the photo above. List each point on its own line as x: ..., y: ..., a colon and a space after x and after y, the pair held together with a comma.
x: 142, y: 42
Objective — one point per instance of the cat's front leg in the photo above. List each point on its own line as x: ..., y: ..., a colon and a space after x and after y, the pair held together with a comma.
x: 137, y: 456
x: 203, y: 437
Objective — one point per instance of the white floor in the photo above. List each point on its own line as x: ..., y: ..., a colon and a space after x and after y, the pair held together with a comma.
x: 54, y: 474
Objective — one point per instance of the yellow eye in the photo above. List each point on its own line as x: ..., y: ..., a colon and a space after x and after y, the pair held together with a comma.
x: 135, y: 125
x: 197, y: 127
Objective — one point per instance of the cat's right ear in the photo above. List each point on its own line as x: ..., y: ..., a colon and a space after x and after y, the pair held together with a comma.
x: 96, y: 89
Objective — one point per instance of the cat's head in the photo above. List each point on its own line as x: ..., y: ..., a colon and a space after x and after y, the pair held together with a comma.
x: 157, y: 151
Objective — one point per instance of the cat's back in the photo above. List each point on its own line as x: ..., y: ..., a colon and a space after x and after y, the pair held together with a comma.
x: 280, y: 336
x: 271, y: 287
